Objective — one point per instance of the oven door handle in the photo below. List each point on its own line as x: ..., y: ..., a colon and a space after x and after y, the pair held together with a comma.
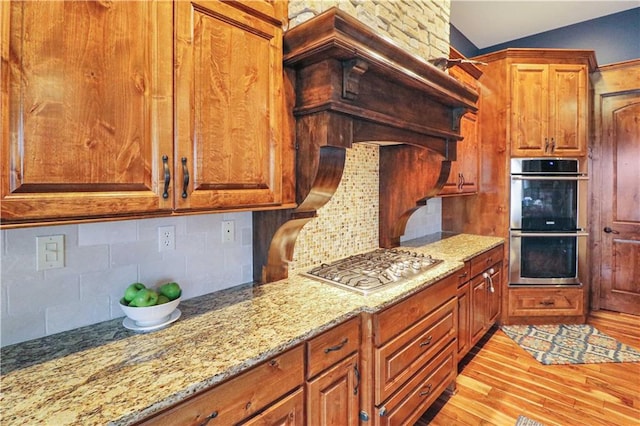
x: 519, y: 234
x: 547, y: 177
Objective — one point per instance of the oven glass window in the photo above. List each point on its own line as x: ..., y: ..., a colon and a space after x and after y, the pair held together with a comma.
x: 549, y: 205
x: 548, y: 257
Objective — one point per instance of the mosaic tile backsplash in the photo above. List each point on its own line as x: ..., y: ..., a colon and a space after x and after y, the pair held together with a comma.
x: 348, y: 223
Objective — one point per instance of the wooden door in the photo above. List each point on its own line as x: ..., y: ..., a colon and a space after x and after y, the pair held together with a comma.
x: 620, y: 203
x: 229, y: 86
x: 333, y: 397
x: 568, y: 119
x: 529, y: 109
x: 86, y: 108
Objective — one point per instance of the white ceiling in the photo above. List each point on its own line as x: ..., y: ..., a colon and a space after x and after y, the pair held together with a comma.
x: 487, y: 23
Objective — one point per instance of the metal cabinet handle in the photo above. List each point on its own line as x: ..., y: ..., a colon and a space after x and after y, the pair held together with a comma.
x: 610, y: 231
x: 427, y: 391
x: 167, y: 176
x: 336, y: 347
x: 546, y: 145
x: 208, y: 418
x: 489, y: 279
x: 462, y: 181
x: 553, y: 145
x: 185, y: 177
x: 547, y: 303
x: 426, y: 342
x: 463, y: 275
x: 357, y: 374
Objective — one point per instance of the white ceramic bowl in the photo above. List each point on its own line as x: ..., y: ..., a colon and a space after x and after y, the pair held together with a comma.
x: 150, y: 315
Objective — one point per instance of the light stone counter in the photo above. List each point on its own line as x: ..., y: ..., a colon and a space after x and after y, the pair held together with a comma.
x: 106, y: 374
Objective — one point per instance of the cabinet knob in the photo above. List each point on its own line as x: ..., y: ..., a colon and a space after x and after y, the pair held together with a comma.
x: 209, y: 417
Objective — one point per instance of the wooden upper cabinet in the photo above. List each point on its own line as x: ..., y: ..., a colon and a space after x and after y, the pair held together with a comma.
x: 86, y: 108
x: 463, y: 177
x: 138, y: 108
x: 549, y: 109
x: 228, y: 105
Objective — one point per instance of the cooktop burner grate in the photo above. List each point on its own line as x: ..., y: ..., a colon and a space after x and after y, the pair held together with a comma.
x: 373, y: 271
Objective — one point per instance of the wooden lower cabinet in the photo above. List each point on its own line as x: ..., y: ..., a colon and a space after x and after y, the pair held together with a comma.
x: 479, y: 298
x: 547, y: 302
x: 412, y: 400
x: 333, y: 376
x: 332, y: 397
x: 238, y: 399
x: 413, y: 354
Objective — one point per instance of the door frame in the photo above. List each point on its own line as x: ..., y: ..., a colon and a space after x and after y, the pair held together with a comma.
x: 608, y: 80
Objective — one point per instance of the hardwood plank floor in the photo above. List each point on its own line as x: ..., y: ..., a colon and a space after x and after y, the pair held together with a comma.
x: 499, y: 381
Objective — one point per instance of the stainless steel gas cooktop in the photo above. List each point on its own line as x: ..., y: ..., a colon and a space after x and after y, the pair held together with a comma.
x: 373, y: 271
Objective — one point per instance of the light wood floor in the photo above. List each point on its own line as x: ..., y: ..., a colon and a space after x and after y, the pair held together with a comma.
x: 499, y: 381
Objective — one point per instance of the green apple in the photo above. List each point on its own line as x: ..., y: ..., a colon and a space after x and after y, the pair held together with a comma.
x: 131, y: 291
x: 172, y: 290
x: 162, y: 299
x: 144, y: 297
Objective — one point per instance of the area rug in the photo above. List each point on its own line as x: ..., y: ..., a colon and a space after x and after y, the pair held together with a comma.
x: 570, y: 344
x: 525, y: 421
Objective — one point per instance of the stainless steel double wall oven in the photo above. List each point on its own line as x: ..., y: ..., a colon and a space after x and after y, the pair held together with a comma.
x: 548, y: 221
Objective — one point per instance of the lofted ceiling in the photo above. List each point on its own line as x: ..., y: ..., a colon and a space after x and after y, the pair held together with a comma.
x: 487, y: 23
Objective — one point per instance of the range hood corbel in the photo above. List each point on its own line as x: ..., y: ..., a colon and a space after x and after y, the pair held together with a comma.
x: 352, y: 86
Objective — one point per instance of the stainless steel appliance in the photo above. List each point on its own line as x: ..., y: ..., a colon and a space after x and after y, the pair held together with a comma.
x: 373, y: 271
x: 548, y: 221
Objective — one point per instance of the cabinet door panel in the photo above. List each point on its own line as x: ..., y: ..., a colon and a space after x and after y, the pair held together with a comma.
x: 568, y: 108
x: 332, y: 398
x: 87, y: 96
x: 479, y: 308
x: 229, y: 87
x: 529, y: 107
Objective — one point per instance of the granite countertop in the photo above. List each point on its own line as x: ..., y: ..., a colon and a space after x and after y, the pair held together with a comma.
x: 106, y: 374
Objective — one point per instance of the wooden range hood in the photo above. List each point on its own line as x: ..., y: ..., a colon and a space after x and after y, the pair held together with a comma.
x: 351, y: 86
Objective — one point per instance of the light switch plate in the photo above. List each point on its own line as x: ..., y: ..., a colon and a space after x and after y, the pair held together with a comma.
x: 50, y: 252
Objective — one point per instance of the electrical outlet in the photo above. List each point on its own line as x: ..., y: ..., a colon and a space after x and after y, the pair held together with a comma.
x: 166, y: 238
x: 228, y: 231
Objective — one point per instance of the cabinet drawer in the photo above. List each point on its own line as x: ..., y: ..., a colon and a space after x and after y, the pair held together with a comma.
x: 398, y: 360
x: 464, y: 274
x: 485, y: 260
x: 332, y: 346
x: 546, y: 302
x: 409, y: 403
x: 287, y: 412
x: 240, y: 397
x: 393, y: 320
